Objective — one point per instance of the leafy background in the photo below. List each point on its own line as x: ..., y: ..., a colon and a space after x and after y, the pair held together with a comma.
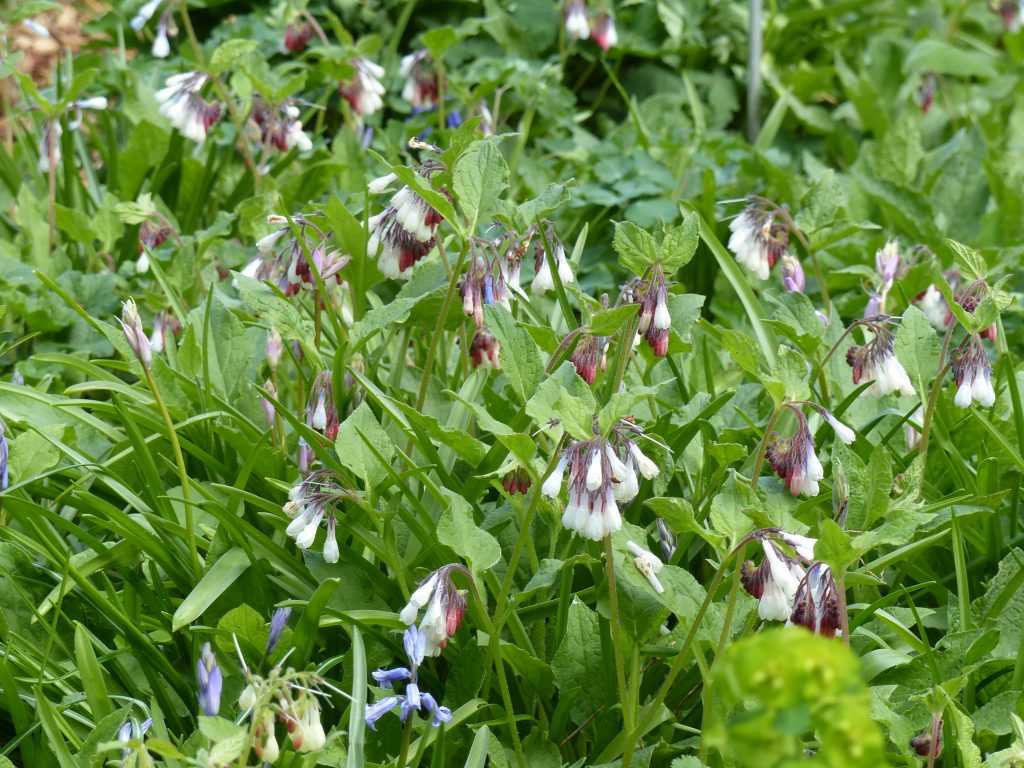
x: 103, y: 613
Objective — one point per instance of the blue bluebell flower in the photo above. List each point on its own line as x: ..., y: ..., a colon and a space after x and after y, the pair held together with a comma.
x: 415, y: 642
x: 388, y: 677
x: 210, y: 681
x: 453, y: 119
x: 4, y: 451
x: 375, y: 712
x: 277, y: 624
x: 440, y: 714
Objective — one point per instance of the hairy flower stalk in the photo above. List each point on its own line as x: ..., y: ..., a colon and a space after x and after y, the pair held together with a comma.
x: 311, y: 503
x: 602, y: 473
x: 760, y: 237
x: 972, y: 374
x: 876, y: 361
x: 445, y: 607
x: 364, y: 92
x: 404, y: 232
x: 181, y: 103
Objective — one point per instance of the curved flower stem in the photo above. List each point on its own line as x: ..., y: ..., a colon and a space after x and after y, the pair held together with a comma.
x: 403, y: 754
x: 179, y: 459
x: 421, y: 396
x: 763, y: 445
x: 618, y: 645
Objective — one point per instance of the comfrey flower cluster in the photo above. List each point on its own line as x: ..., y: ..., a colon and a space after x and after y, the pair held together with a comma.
x: 887, y: 265
x: 279, y: 127
x: 602, y: 473
x: 484, y: 284
x: 422, y: 80
x: 445, y: 607
x: 285, y: 696
x: 311, y: 501
x: 875, y: 360
x: 412, y: 699
x: 403, y: 233
x: 972, y: 374
x: 161, y: 44
x: 578, y: 25
x: 793, y: 458
x: 321, y: 416
x: 785, y: 591
x: 364, y: 92
x: 590, y: 356
x: 282, y: 256
x: 543, y: 280
x: 760, y: 237
x: 655, y: 319
x: 189, y: 112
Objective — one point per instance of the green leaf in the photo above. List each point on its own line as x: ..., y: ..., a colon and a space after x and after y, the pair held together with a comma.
x: 91, y: 674
x: 789, y: 377
x: 355, y: 757
x: 231, y: 53
x: 521, y: 362
x: 457, y: 529
x: 918, y: 348
x: 565, y: 398
x: 438, y: 40
x: 636, y: 247
x: 215, y: 581
x: 679, y: 244
x: 607, y: 322
x: 579, y: 667
x: 685, y: 311
x: 362, y: 426
x: 971, y: 263
x: 477, y: 757
x: 942, y: 58
x: 480, y: 176
x: 834, y: 546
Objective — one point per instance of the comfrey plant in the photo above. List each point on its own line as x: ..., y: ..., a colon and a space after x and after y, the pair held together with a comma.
x: 445, y: 607
x: 543, y: 280
x: 413, y: 699
x: 182, y: 104
x: 422, y: 80
x: 289, y: 254
x: 760, y: 236
x: 311, y: 502
x: 403, y: 233
x: 602, y: 473
x: 364, y: 92
x: 793, y: 458
x: 875, y: 360
x: 651, y: 293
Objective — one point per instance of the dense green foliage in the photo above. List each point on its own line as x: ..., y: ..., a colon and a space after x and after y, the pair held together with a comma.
x: 336, y: 383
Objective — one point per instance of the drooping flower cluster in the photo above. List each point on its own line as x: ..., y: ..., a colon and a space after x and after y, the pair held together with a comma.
x: 311, y: 502
x: 49, y: 140
x: 161, y: 44
x: 875, y: 361
x: 602, y: 473
x: 543, y: 280
x: 655, y: 319
x: 412, y: 699
x: 282, y: 256
x: 969, y: 297
x: 484, y: 284
x: 760, y: 237
x: 972, y: 374
x: 445, y: 607
x: 590, y: 356
x: 793, y: 458
x: 403, y: 233
x: 321, y: 416
x: 516, y: 482
x: 579, y: 27
x: 785, y: 591
x: 279, y: 127
x: 485, y: 350
x: 286, y: 696
x: 189, y: 112
x: 422, y: 80
x: 364, y: 92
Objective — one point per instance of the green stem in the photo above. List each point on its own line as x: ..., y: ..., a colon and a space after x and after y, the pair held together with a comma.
x: 179, y: 459
x: 421, y: 396
x: 630, y: 104
x: 618, y: 645
x: 403, y: 755
x: 933, y: 399
x: 763, y: 446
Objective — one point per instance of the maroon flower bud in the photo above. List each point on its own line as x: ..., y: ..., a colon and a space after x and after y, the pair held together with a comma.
x: 297, y: 37
x: 516, y: 482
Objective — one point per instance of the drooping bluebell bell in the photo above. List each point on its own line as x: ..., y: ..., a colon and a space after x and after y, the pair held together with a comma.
x: 277, y: 624
x: 412, y: 699
x: 210, y: 680
x: 386, y: 678
x: 132, y: 729
x: 378, y: 709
